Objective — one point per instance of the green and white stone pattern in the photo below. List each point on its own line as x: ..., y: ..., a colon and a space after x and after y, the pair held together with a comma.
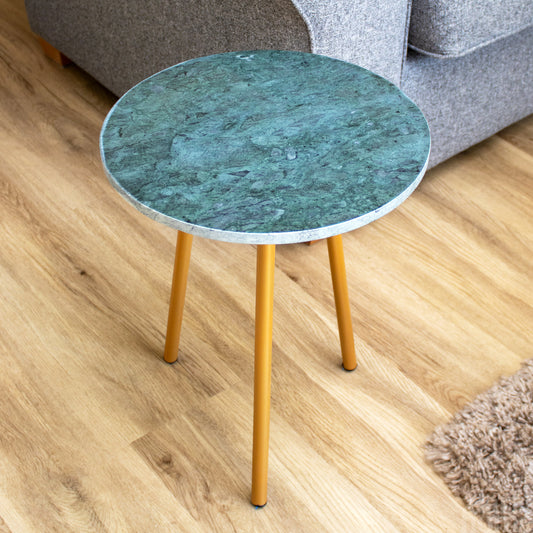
x: 265, y: 146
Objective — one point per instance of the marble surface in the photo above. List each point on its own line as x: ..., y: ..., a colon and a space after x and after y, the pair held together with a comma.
x: 265, y: 147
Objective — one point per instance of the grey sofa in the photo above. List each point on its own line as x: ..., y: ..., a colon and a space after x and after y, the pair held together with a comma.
x: 467, y: 63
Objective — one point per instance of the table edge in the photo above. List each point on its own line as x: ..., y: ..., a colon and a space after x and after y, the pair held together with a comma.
x: 286, y: 237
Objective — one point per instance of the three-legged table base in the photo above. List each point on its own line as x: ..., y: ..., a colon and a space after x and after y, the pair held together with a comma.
x: 263, y: 337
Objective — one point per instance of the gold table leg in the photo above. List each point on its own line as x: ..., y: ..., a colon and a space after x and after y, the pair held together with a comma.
x: 342, y: 301
x: 264, y: 303
x: 177, y: 296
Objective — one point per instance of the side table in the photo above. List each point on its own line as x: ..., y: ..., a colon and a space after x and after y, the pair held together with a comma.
x: 265, y: 148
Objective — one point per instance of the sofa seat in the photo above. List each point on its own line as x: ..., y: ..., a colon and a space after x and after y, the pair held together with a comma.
x: 454, y: 28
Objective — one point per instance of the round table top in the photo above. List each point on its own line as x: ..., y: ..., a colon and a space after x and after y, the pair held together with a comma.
x: 265, y: 147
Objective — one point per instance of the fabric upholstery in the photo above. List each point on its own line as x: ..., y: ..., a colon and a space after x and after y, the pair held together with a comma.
x: 121, y: 42
x: 365, y: 32
x: 451, y: 28
x: 468, y: 99
x: 155, y: 34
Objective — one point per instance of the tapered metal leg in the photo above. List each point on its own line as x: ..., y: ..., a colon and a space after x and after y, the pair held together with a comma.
x: 177, y: 296
x: 342, y: 302
x: 263, y: 363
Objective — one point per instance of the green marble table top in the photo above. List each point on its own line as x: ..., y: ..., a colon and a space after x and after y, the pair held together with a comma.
x: 265, y: 147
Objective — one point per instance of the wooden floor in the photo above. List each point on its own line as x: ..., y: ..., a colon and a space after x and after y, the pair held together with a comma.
x: 98, y: 434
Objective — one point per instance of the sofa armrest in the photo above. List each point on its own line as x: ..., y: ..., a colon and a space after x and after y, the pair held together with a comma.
x: 120, y: 42
x: 370, y: 33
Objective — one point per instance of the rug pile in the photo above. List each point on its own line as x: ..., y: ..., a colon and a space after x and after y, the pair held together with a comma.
x: 485, y: 453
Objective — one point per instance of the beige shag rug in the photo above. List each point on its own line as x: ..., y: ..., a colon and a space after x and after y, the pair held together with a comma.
x: 485, y: 453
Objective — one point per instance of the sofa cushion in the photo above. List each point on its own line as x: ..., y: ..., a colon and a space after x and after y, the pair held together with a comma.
x: 452, y: 28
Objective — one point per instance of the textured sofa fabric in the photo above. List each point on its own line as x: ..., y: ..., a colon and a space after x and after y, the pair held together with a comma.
x: 465, y: 99
x: 452, y: 28
x: 360, y: 31
x: 464, y: 103
x: 121, y: 42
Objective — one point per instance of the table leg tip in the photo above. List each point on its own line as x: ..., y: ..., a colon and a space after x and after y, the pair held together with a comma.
x: 350, y: 369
